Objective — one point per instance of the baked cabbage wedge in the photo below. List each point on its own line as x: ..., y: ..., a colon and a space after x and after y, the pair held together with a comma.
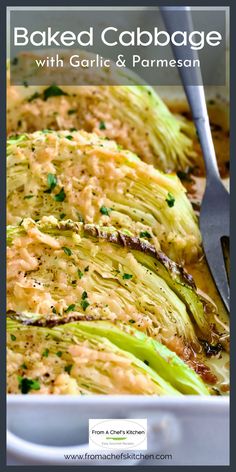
x: 80, y: 176
x: 134, y: 115
x: 94, y: 358
x: 63, y: 270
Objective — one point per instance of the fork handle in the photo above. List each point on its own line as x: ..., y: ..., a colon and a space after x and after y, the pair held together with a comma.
x: 195, y: 93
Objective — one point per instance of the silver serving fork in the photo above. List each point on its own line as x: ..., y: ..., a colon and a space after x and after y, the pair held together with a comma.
x: 215, y: 208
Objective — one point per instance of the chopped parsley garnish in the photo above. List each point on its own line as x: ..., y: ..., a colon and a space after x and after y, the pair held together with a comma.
x: 105, y: 211
x: 62, y: 216
x: 131, y: 321
x: 24, y: 366
x: 60, y: 197
x: 59, y: 353
x: 53, y: 91
x: 127, y: 276
x: 25, y: 385
x: 45, y: 353
x: 102, y: 125
x: 72, y: 111
x: 145, y: 234
x: 68, y: 368
x: 84, y: 302
x: 34, y: 96
x: 70, y: 308
x: 69, y: 137
x: 80, y: 273
x: 27, y: 197
x: 51, y: 181
x: 13, y: 337
x: 170, y: 200
x: 67, y: 250
x: 86, y: 269
x: 54, y: 310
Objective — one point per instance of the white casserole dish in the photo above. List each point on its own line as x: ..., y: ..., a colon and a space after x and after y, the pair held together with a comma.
x: 194, y: 430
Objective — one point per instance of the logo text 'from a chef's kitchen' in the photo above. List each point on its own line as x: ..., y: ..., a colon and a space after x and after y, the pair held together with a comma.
x: 119, y: 434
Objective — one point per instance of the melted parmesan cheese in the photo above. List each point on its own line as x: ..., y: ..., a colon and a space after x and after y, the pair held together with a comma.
x: 83, y: 367
x: 51, y: 284
x: 103, y: 185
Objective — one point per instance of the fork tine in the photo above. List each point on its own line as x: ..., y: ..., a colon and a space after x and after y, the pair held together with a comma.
x: 216, y: 263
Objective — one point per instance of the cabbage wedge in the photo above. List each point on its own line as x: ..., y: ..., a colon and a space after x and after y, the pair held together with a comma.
x: 66, y: 271
x: 66, y: 360
x: 134, y: 115
x: 86, y: 358
x: 80, y: 176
